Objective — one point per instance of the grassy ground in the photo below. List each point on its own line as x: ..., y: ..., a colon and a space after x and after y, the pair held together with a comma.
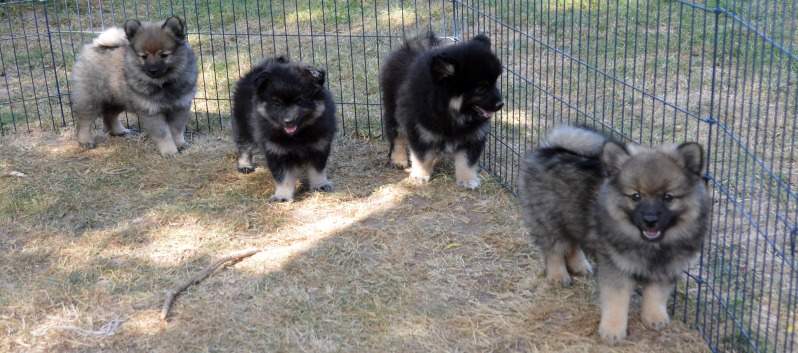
x: 566, y: 61
x: 92, y: 240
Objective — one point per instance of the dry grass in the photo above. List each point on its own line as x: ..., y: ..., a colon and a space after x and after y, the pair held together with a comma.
x: 380, y: 265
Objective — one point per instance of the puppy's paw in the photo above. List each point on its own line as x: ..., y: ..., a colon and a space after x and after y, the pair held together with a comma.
x: 169, y: 154
x: 396, y: 165
x: 122, y: 132
x: 399, y: 160
x: 167, y: 148
x: 420, y: 179
x: 184, y: 147
x: 469, y: 183
x: 275, y: 198
x: 88, y: 145
x: 559, y: 278
x: 655, y: 319
x: 246, y: 169
x: 612, y: 331
x: 327, y: 187
x: 580, y: 267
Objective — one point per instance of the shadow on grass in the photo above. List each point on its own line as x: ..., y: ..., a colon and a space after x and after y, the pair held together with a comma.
x: 381, y: 264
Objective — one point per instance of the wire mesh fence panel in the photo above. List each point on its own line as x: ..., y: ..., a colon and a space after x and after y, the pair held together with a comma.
x: 29, y: 97
x: 39, y: 41
x: 720, y: 73
x: 723, y: 73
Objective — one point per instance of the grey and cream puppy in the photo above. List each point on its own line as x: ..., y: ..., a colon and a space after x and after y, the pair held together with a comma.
x: 641, y: 211
x: 147, y: 68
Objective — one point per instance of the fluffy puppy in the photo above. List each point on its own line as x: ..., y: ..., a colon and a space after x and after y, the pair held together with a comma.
x: 283, y: 109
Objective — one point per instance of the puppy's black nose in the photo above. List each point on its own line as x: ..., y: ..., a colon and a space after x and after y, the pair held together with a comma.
x: 650, y: 220
x: 154, y: 70
x: 498, y: 106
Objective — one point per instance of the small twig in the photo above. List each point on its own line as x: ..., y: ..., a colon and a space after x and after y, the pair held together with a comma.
x: 202, y: 275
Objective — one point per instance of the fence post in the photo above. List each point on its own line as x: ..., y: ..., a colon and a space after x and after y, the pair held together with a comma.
x: 52, y: 59
x: 454, y: 19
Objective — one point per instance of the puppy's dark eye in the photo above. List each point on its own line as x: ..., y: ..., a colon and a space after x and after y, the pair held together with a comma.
x: 164, y: 55
x: 480, y: 90
x: 302, y: 101
x: 143, y: 56
x: 276, y: 102
x: 635, y: 197
x: 667, y: 197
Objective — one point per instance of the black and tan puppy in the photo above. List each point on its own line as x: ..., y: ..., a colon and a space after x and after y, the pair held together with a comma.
x: 283, y: 109
x: 440, y: 99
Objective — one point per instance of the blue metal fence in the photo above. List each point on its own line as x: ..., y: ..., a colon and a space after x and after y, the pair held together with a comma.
x: 724, y: 73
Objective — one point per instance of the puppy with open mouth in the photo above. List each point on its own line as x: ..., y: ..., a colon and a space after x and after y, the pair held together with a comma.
x: 282, y: 109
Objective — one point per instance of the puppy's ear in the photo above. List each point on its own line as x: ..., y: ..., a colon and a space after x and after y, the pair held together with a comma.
x: 266, y: 68
x: 613, y: 156
x: 482, y: 39
x: 176, y: 26
x: 431, y: 39
x: 131, y: 28
x: 692, y: 157
x: 261, y: 78
x: 442, y: 67
x: 315, y: 74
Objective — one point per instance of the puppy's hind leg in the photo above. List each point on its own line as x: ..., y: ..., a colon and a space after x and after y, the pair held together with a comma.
x: 577, y: 262
x: 244, y: 159
x: 465, y: 169
x: 556, y: 269
x: 112, y: 123
x: 398, y: 151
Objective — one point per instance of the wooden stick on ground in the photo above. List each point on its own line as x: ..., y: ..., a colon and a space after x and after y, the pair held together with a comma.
x: 202, y: 275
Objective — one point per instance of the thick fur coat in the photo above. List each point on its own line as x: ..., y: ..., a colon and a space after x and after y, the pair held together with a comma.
x: 283, y: 110
x: 146, y: 68
x: 641, y: 211
x: 439, y: 99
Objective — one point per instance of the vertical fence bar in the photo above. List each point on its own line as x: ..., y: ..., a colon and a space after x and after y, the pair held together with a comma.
x: 55, y: 67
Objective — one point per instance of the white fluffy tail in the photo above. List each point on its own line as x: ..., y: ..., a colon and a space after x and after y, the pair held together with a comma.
x: 113, y: 37
x: 578, y: 140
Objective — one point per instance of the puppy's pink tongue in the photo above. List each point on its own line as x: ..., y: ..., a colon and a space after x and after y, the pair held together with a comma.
x: 651, y: 234
x: 290, y: 130
x: 484, y: 113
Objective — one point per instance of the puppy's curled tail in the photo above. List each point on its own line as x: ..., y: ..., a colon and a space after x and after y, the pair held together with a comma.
x: 578, y: 140
x: 110, y: 38
x: 422, y: 42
